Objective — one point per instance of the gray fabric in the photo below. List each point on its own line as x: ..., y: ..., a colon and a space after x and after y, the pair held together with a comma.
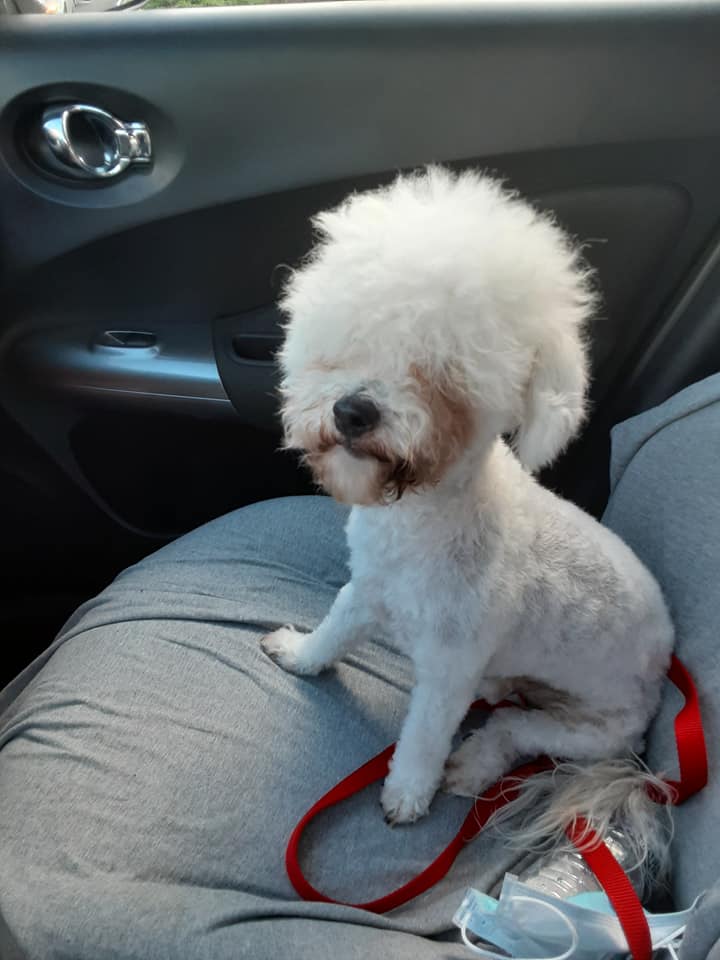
x: 702, y: 938
x: 153, y: 762
x: 152, y: 770
x: 666, y: 505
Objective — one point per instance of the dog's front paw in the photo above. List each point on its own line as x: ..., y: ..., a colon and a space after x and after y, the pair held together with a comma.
x: 291, y: 651
x: 466, y: 772
x: 405, y: 803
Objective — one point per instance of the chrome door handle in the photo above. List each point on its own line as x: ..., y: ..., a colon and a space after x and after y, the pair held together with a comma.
x: 90, y: 143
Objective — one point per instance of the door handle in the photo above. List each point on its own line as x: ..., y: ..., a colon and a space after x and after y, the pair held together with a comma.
x: 256, y: 347
x: 86, y: 142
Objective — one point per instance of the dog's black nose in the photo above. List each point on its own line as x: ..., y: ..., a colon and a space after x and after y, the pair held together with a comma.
x: 355, y: 415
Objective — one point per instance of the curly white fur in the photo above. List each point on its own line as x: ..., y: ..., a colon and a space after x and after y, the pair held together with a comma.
x: 458, y: 311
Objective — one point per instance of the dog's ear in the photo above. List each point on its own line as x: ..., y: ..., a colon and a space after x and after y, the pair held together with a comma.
x: 554, y: 402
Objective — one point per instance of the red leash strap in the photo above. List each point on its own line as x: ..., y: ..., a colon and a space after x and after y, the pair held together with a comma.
x: 614, y: 881
x: 376, y: 769
x: 689, y: 736
x: 692, y: 761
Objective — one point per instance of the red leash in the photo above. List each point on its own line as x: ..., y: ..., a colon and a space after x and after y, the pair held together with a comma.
x: 692, y: 761
x: 376, y: 769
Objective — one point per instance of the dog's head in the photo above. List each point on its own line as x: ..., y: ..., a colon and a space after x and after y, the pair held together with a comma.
x: 433, y: 315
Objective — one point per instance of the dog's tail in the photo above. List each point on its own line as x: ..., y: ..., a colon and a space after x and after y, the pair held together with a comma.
x: 609, y: 795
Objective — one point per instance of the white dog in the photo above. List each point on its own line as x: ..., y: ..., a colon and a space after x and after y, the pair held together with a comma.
x: 436, y: 316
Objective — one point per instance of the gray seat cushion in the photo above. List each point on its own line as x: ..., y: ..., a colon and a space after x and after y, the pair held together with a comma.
x: 153, y: 762
x: 152, y: 769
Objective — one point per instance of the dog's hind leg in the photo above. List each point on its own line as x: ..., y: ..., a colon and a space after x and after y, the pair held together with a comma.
x: 512, y: 736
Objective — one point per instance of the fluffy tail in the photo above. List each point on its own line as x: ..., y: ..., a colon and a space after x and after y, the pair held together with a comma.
x: 610, y: 795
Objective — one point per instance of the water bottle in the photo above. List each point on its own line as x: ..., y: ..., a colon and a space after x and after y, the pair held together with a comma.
x: 564, y: 873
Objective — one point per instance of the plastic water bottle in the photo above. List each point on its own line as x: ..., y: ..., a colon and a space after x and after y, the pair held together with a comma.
x: 564, y: 873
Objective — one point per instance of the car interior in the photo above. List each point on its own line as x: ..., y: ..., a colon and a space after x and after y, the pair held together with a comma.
x: 139, y: 315
x: 158, y: 175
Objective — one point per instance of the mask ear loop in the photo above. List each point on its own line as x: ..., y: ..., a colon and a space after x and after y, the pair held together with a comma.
x: 491, y: 955
x: 671, y: 942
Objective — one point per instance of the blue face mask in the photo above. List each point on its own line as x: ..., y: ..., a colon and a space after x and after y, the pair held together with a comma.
x: 528, y: 925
